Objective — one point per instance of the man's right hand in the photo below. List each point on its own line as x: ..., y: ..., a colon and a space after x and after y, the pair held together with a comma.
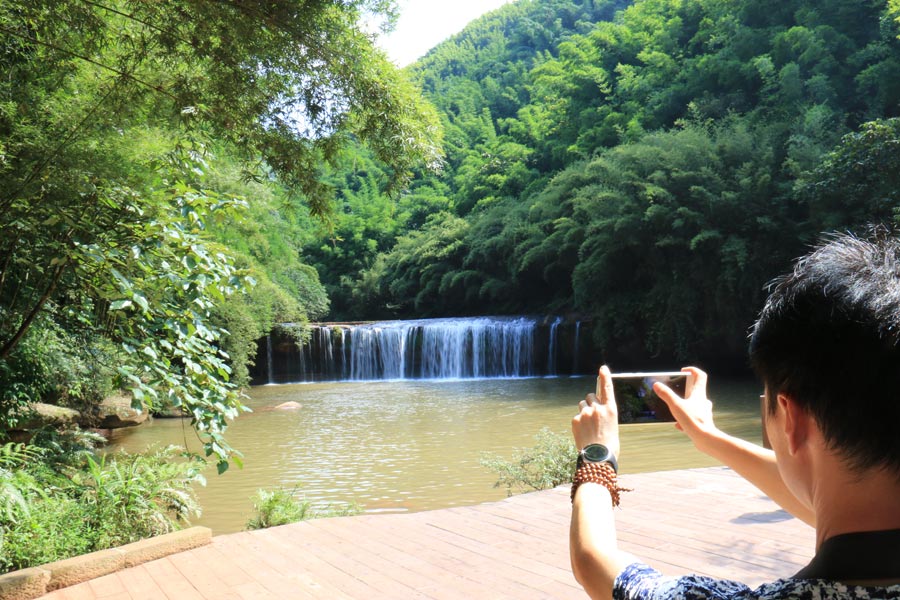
x: 693, y: 413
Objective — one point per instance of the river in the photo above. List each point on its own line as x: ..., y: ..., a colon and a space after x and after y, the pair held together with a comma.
x: 413, y: 445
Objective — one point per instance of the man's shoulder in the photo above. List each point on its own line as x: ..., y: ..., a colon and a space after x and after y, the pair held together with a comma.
x: 641, y: 582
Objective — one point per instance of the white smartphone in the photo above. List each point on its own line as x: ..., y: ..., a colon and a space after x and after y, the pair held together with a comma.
x: 636, y: 398
x: 674, y: 379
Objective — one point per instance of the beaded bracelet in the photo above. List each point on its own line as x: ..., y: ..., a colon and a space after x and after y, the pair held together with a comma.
x: 602, y: 473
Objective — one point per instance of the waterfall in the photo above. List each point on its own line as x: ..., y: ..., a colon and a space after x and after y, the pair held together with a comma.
x: 326, y: 351
x: 269, y: 366
x: 452, y: 348
x: 551, y: 351
x: 575, y: 348
x: 343, y: 353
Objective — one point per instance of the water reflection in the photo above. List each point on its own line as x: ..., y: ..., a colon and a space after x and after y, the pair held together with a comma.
x: 413, y: 445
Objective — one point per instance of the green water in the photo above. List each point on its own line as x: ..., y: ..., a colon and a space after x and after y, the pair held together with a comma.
x: 413, y: 445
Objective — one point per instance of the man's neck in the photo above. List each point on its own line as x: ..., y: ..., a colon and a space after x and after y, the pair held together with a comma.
x: 847, y: 501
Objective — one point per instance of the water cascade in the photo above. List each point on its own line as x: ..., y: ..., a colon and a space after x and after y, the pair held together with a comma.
x: 457, y: 348
x: 551, y: 351
x: 576, y: 349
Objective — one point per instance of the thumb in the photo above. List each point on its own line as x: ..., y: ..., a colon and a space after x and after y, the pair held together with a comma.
x: 672, y: 399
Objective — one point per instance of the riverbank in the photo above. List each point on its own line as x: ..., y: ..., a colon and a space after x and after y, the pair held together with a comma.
x: 712, y: 522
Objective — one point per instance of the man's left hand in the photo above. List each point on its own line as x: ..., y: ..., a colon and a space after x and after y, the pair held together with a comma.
x: 598, y: 421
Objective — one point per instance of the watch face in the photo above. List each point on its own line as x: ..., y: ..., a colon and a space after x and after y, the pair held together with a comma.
x: 596, y: 453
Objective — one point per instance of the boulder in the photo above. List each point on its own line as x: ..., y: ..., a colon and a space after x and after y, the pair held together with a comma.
x: 42, y: 415
x: 49, y: 414
x: 116, y: 412
x: 289, y: 406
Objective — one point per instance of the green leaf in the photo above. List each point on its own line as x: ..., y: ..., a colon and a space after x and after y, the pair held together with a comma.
x: 120, y: 305
x: 141, y: 300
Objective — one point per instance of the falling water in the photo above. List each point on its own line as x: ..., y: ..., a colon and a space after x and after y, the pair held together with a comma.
x: 343, y: 353
x: 551, y: 352
x: 327, y: 351
x: 575, y: 348
x: 421, y: 349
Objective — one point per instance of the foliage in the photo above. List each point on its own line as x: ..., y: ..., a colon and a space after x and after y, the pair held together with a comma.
x: 135, y: 496
x: 61, y: 448
x: 476, y: 80
x: 55, y: 528
x: 107, y: 113
x: 52, y: 509
x: 549, y: 463
x: 649, y: 170
x: 54, y: 365
x: 15, y: 484
x: 280, y: 507
x: 859, y: 182
x: 415, y: 272
x: 671, y: 224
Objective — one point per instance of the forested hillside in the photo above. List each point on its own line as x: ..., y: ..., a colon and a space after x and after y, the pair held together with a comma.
x: 649, y: 168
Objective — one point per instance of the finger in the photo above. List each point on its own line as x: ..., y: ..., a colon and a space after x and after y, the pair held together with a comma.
x: 605, y: 386
x: 696, y: 382
x: 667, y: 395
x: 582, y: 405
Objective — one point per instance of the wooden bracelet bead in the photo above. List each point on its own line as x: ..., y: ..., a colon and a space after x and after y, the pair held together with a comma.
x: 602, y: 473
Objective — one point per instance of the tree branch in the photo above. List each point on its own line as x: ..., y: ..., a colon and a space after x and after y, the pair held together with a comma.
x: 119, y: 72
x: 39, y: 305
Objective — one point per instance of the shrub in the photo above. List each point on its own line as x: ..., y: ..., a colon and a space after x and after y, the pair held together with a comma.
x: 136, y: 496
x: 16, y: 485
x: 280, y: 507
x: 55, y: 366
x: 66, y: 447
x: 55, y: 527
x: 548, y: 464
x: 61, y: 500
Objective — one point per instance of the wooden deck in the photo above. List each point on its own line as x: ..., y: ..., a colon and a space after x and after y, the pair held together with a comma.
x: 707, y: 521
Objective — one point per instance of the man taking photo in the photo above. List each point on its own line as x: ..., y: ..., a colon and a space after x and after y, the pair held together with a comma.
x: 827, y: 348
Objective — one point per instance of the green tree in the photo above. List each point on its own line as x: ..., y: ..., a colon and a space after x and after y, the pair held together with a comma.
x: 106, y: 113
x: 859, y: 182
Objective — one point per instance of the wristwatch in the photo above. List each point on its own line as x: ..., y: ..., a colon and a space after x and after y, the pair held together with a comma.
x: 595, y: 453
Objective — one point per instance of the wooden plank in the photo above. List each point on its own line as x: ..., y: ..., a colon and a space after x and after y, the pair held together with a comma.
x: 171, y: 581
x: 225, y: 565
x: 107, y: 585
x: 341, y: 579
x: 77, y: 592
x: 269, y: 567
x: 704, y: 521
x: 206, y: 573
x: 355, y: 558
x: 140, y: 585
x: 437, y: 578
x: 454, y: 575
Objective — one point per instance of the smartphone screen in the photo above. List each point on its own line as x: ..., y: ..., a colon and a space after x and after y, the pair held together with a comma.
x: 636, y: 400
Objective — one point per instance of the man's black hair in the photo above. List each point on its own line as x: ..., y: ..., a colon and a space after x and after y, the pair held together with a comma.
x: 829, y: 337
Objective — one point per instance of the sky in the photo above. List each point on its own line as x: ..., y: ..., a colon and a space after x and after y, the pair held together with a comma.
x: 423, y: 24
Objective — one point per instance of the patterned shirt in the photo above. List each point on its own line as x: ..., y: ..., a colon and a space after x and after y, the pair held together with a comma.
x: 640, y: 582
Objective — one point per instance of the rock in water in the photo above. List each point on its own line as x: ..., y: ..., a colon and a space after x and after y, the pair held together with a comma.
x: 289, y: 406
x: 116, y: 412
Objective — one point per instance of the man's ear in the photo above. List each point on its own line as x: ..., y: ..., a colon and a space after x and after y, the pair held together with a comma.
x: 796, y: 423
